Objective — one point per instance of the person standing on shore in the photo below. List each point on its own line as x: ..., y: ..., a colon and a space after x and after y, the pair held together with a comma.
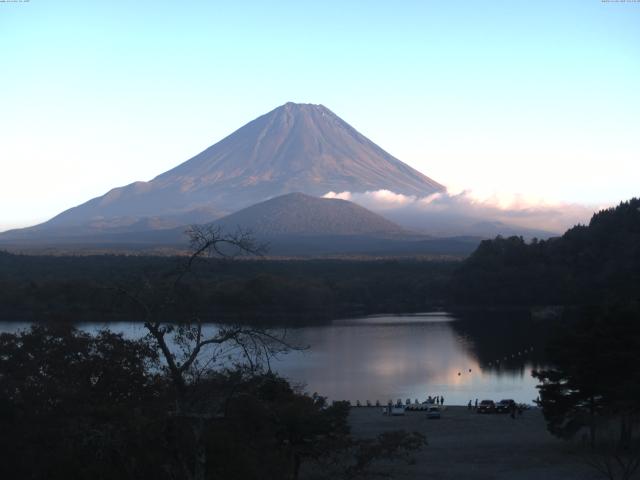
x: 469, y: 405
x: 476, y: 403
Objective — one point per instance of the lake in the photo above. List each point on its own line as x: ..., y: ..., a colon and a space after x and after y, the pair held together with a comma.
x: 387, y: 357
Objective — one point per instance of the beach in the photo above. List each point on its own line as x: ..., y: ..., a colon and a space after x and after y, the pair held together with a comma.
x: 466, y: 445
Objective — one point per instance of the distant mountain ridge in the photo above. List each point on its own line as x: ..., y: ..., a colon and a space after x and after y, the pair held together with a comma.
x: 294, y: 148
x: 291, y: 225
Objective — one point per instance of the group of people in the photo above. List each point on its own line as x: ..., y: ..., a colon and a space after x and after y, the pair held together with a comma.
x: 438, y: 400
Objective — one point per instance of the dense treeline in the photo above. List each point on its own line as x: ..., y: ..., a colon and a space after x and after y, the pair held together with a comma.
x: 73, y: 405
x: 594, y: 264
x: 590, y: 386
x: 86, y: 287
x: 595, y: 374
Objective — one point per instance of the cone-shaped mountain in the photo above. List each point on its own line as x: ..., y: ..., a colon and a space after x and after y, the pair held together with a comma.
x: 294, y: 148
x: 299, y: 214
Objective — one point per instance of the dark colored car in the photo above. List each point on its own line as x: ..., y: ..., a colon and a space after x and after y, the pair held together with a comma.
x: 505, y: 406
x: 434, y: 412
x: 486, y: 406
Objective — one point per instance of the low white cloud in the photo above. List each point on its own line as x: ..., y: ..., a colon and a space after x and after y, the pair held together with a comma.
x: 341, y: 196
x: 453, y: 212
x: 380, y: 199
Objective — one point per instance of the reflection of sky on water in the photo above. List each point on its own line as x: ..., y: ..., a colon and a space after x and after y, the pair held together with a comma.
x: 385, y: 357
x: 390, y: 357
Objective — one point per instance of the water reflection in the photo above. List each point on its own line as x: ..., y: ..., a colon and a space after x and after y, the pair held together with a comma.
x: 389, y: 357
x: 504, y: 342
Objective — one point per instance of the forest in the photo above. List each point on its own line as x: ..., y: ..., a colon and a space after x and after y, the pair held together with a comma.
x: 82, y: 288
x: 598, y: 263
x: 73, y: 405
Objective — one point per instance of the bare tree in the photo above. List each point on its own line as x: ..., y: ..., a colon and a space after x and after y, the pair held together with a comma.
x: 190, y: 348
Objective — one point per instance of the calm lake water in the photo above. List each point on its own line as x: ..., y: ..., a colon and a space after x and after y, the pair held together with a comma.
x: 387, y: 357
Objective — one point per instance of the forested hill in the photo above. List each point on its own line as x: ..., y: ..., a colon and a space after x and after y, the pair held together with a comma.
x: 598, y: 263
x: 86, y: 288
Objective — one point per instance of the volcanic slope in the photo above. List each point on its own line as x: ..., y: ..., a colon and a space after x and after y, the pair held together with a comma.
x: 300, y: 225
x: 294, y: 148
x: 300, y: 214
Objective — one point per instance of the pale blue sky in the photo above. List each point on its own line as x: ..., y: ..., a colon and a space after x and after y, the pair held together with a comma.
x: 534, y: 97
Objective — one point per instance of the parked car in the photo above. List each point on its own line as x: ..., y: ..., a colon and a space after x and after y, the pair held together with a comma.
x: 505, y: 406
x: 487, y: 406
x: 393, y: 410
x: 397, y: 410
x: 434, y: 412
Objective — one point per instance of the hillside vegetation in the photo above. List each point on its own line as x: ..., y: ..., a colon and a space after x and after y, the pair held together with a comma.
x: 297, y: 213
x: 594, y: 264
x: 68, y: 288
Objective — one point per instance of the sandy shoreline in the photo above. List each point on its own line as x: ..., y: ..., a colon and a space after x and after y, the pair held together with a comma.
x: 467, y: 445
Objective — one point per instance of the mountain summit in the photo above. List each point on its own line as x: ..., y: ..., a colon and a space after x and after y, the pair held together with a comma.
x: 294, y: 148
